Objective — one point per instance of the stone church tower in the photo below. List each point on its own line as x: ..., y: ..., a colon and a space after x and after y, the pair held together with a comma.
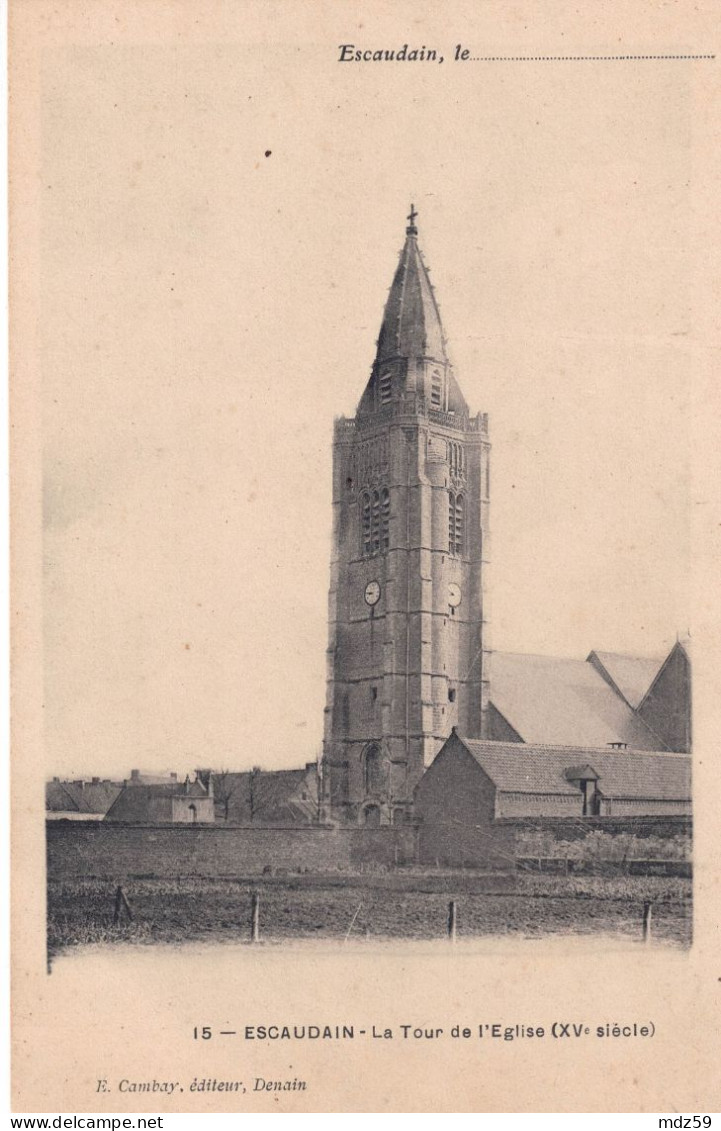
x: 407, y: 645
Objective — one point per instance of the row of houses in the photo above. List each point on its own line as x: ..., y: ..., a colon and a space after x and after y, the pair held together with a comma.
x: 470, y: 780
x: 252, y: 797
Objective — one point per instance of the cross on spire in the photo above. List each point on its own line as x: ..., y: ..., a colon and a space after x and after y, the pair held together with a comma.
x: 412, y: 230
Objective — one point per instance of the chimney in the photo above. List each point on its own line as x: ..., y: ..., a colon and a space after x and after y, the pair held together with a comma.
x: 135, y: 775
x: 96, y: 781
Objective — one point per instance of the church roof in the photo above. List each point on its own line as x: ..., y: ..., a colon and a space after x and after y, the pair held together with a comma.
x: 411, y: 322
x: 647, y: 775
x: 550, y: 700
x: 632, y: 675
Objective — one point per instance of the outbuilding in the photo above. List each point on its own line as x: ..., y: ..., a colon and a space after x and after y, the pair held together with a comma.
x: 473, y: 784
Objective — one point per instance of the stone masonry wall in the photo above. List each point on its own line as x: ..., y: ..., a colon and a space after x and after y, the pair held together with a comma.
x: 90, y: 848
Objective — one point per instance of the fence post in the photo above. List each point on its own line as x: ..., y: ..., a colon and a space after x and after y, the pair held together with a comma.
x: 352, y: 922
x: 120, y: 902
x: 452, y: 917
x: 647, y: 920
x: 255, y: 917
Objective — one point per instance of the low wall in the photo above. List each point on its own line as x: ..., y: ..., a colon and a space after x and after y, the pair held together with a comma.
x: 577, y: 828
x: 94, y: 848
x: 563, y: 866
x: 454, y: 845
x: 622, y: 840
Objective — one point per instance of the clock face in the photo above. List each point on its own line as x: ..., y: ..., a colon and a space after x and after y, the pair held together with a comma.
x: 372, y: 593
x: 454, y: 595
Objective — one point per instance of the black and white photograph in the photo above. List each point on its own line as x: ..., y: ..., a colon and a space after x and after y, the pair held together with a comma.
x: 457, y: 787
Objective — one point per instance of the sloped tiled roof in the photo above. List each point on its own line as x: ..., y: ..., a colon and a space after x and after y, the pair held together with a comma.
x: 151, y: 802
x: 266, y: 795
x: 60, y: 798
x: 72, y: 797
x: 567, y: 702
x: 680, y: 648
x: 143, y: 803
x: 517, y: 768
x: 632, y: 675
x: 279, y: 792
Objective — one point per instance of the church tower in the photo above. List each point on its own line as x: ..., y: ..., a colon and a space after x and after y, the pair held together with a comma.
x: 407, y: 646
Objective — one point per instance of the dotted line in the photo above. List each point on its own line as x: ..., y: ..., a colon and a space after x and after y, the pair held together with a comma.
x: 578, y: 58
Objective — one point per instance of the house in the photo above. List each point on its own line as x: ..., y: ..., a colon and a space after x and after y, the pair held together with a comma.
x: 79, y: 800
x: 83, y: 800
x: 474, y: 782
x: 186, y: 803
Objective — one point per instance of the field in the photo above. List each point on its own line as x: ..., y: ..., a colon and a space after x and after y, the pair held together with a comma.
x: 410, y: 906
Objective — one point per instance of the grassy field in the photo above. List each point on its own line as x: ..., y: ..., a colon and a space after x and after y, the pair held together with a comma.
x: 80, y: 912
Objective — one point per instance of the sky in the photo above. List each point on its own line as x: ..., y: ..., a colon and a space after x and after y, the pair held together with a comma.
x: 220, y: 225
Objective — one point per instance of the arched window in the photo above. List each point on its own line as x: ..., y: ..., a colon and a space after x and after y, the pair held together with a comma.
x: 459, y: 524
x: 193, y: 813
x: 372, y: 771
x: 376, y: 523
x: 456, y: 458
x: 366, y: 524
x: 385, y: 518
x: 375, y: 515
x: 455, y: 523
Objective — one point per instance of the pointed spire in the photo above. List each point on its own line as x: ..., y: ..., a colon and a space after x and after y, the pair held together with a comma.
x: 411, y: 323
x: 411, y: 359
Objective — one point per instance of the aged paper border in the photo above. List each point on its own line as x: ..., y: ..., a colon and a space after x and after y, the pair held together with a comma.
x: 69, y: 1032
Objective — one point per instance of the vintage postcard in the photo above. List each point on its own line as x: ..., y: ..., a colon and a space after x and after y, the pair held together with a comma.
x: 365, y: 557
